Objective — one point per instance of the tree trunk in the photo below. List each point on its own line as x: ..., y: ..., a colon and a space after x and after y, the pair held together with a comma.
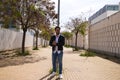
x: 44, y: 42
x: 67, y: 42
x: 76, y: 35
x: 23, y: 40
x: 83, y: 42
x: 36, y: 40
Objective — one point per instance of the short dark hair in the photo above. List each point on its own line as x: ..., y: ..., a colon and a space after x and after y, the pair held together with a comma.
x: 57, y: 27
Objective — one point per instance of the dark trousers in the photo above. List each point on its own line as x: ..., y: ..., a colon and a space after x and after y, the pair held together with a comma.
x: 54, y: 59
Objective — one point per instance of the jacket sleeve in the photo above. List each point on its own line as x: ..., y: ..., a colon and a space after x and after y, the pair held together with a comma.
x: 62, y: 42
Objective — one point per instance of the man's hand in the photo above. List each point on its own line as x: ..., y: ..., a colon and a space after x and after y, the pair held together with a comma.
x: 54, y: 43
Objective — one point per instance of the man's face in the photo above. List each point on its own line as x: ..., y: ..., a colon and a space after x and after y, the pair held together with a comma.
x: 57, y: 30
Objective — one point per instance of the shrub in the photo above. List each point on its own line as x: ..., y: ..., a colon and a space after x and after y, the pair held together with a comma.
x: 75, y: 49
x: 67, y: 46
x: 35, y: 48
x: 19, y: 53
x: 88, y: 54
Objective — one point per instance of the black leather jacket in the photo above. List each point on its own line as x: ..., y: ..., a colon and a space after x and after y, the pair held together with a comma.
x: 60, y: 44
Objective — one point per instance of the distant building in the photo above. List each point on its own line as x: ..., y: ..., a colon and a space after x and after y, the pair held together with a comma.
x: 104, y: 12
x: 104, y: 31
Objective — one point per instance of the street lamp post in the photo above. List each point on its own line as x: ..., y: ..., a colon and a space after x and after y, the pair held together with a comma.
x: 58, y: 13
x: 58, y: 26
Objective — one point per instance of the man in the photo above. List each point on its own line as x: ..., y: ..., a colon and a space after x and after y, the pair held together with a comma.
x: 57, y: 41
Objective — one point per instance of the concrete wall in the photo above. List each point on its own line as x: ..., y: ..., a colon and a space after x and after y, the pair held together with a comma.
x: 104, y: 36
x: 79, y: 41
x: 86, y: 41
x: 11, y: 40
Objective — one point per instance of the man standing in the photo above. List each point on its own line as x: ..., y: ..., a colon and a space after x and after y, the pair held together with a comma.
x: 57, y: 41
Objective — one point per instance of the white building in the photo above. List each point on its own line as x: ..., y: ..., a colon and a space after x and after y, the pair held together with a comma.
x: 104, y: 12
x: 104, y: 31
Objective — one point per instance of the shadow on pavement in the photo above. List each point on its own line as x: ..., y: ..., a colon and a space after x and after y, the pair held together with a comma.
x: 58, y: 78
x: 108, y: 57
x: 50, y: 78
x: 20, y: 60
x: 11, y: 58
x: 44, y: 77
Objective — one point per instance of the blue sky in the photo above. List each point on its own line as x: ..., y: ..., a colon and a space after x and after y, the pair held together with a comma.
x: 74, y: 8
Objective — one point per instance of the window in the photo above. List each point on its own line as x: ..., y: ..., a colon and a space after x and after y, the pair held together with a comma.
x: 113, y: 7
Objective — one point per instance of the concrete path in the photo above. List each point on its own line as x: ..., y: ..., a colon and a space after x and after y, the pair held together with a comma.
x: 75, y: 68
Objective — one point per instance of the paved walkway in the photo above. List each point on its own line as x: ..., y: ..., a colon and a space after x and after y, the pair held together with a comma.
x: 75, y: 68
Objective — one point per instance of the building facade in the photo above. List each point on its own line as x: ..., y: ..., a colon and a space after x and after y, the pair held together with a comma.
x: 104, y: 12
x: 104, y: 35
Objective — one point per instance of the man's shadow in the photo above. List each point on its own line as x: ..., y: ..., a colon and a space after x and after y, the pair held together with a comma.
x: 58, y: 78
x: 44, y: 77
x: 49, y: 78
